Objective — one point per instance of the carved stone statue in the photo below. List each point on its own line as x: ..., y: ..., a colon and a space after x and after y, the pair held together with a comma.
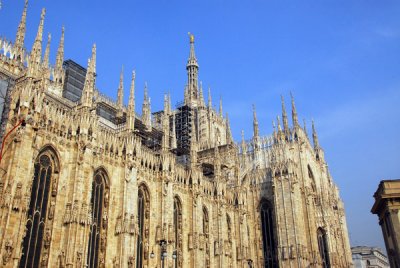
x: 61, y: 259
x: 8, y: 249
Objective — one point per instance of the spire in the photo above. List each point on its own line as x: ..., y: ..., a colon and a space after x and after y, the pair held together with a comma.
x: 243, y: 143
x: 229, y: 138
x: 130, y: 117
x: 36, y: 53
x: 58, y: 70
x: 255, y: 123
x: 220, y: 106
x: 90, y: 80
x: 146, y: 110
x: 173, y: 135
x: 20, y: 38
x: 294, y: 112
x: 209, y: 98
x: 305, y: 128
x: 217, y: 162
x: 166, y: 105
x: 120, y: 101
x: 279, y: 123
x: 273, y: 126
x: 46, y: 57
x: 202, y: 103
x: 315, y: 136
x: 169, y: 102
x: 192, y: 71
x: 284, y: 116
x: 165, y: 125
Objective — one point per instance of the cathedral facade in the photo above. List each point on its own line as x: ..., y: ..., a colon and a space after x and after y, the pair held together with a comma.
x: 88, y: 182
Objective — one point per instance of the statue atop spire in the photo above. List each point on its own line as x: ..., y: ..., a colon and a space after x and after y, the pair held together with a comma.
x: 209, y: 98
x: 243, y: 143
x: 46, y: 57
x: 46, y: 60
x: 34, y: 63
x: 284, y: 117
x: 130, y: 117
x: 305, y: 128
x: 294, y: 112
x: 20, y: 38
x: 192, y: 72
x: 58, y: 68
x: 146, y: 110
x: 229, y: 138
x: 220, y: 107
x: 120, y: 100
x: 315, y: 136
x: 90, y: 80
x: 255, y: 123
x: 201, y: 97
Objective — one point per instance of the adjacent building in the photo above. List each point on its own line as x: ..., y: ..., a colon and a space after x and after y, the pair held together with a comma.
x: 387, y: 206
x: 89, y: 182
x: 369, y: 257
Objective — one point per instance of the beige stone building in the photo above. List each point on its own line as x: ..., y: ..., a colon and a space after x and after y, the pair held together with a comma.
x: 387, y: 206
x: 88, y: 182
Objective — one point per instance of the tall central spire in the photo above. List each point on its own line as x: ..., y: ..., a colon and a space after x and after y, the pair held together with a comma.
x: 192, y: 71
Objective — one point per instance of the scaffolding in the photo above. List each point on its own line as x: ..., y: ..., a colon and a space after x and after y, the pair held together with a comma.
x: 183, y: 128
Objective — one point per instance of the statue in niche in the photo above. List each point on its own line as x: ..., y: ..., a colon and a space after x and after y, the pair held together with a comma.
x: 61, y: 259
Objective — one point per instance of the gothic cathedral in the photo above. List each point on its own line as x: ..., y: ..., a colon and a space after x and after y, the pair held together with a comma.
x: 85, y: 181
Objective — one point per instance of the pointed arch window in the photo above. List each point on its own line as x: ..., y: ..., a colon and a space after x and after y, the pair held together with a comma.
x: 178, y: 231
x: 36, y: 242
x: 98, y: 228
x: 143, y: 207
x: 323, y: 248
x: 268, y: 235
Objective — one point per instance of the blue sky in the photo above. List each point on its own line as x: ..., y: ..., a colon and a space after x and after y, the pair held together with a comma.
x: 341, y: 60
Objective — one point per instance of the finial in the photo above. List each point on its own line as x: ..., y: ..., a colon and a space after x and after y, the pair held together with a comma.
x: 36, y: 52
x: 60, y: 54
x: 209, y: 98
x: 173, y: 135
x: 146, y: 110
x: 201, y: 95
x: 130, y: 117
x: 131, y: 104
x: 191, y: 37
x: 20, y: 38
x: 229, y: 138
x: 94, y: 58
x: 90, y: 80
x: 294, y: 112
x: 284, y: 116
x: 255, y: 122
x: 279, y: 123
x: 145, y: 91
x: 121, y: 90
x: 315, y: 136
x: 47, y: 52
x: 305, y: 127
x: 220, y: 106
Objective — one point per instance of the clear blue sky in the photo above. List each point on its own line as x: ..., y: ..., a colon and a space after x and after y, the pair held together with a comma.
x: 341, y: 60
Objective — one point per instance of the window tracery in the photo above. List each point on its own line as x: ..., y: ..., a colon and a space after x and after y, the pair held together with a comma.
x: 37, y: 240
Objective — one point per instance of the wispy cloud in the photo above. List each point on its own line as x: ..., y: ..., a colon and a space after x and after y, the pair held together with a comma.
x: 387, y: 32
x: 360, y: 113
